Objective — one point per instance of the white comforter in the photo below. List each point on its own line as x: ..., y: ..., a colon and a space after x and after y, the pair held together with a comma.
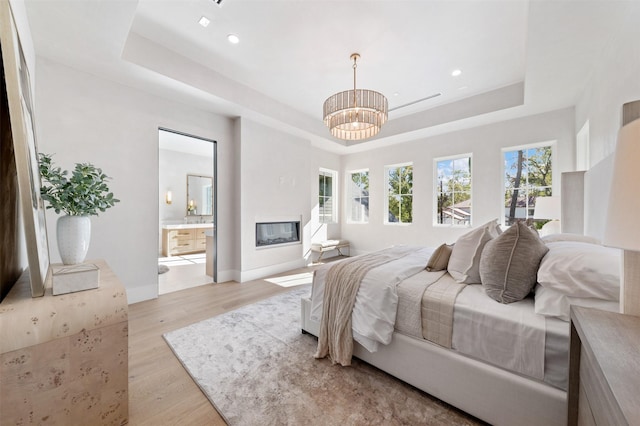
x: 374, y: 312
x: 511, y: 336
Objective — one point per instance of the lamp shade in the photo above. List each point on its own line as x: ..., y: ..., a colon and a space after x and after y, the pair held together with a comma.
x: 547, y: 208
x: 623, y: 227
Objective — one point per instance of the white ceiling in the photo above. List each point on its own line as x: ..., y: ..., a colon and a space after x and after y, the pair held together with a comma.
x: 517, y: 57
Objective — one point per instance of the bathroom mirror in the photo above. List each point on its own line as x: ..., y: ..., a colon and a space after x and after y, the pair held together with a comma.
x: 199, y: 195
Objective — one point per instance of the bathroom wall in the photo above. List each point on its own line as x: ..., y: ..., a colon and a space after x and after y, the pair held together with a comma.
x: 174, y: 167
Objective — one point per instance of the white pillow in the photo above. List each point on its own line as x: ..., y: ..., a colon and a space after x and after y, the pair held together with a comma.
x: 570, y: 237
x: 551, y: 303
x: 578, y: 269
x: 464, y: 263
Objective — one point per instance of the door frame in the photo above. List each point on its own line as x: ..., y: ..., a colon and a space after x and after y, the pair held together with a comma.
x: 215, y: 192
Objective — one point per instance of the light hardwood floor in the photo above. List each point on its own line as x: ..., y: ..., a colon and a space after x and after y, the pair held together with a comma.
x: 160, y: 390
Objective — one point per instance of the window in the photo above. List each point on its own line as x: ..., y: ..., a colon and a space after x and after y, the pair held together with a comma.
x: 399, y: 193
x: 453, y: 190
x: 326, y: 198
x: 358, y: 190
x: 527, y: 175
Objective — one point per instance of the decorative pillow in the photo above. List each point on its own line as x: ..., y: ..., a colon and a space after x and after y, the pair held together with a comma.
x: 439, y: 260
x: 578, y: 269
x: 533, y: 228
x: 509, y: 263
x: 551, y: 303
x: 464, y: 263
x: 570, y: 237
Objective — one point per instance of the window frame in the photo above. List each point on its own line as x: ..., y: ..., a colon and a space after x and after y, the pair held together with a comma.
x: 583, y: 160
x: 333, y: 197
x: 435, y: 190
x: 554, y: 171
x: 387, y: 168
x: 349, y: 196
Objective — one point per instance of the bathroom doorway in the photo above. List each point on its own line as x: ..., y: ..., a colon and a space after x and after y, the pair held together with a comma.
x: 187, y: 211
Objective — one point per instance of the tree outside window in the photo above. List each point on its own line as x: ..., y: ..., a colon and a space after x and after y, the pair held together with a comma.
x: 453, y: 191
x: 527, y: 176
x: 358, y: 187
x: 400, y: 194
x: 326, y: 199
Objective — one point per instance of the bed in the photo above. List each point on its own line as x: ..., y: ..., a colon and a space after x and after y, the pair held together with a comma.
x: 504, y: 363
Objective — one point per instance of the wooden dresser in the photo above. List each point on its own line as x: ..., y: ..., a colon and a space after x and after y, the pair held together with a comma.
x: 176, y: 241
x: 64, y: 359
x: 604, y: 368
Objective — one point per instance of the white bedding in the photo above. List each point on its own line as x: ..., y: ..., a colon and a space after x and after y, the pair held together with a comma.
x: 510, y: 336
x: 374, y: 312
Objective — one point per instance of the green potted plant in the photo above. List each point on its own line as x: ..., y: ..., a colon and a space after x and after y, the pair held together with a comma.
x: 78, y: 195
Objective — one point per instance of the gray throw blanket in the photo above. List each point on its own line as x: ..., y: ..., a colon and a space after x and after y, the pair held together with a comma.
x: 341, y: 287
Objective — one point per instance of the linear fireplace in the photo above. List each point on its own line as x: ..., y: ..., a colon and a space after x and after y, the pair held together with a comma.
x: 275, y: 233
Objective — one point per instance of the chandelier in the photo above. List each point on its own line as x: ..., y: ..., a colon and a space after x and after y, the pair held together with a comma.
x: 356, y: 114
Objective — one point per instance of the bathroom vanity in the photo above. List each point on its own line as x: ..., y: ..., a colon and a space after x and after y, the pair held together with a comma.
x: 184, y: 238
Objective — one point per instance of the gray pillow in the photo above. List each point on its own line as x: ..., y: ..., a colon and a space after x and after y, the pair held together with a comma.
x: 509, y: 263
x: 464, y: 262
x: 440, y: 258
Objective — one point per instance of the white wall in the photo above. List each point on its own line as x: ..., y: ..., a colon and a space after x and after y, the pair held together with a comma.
x: 614, y: 81
x: 276, y: 172
x: 174, y: 168
x: 83, y: 118
x: 485, y: 144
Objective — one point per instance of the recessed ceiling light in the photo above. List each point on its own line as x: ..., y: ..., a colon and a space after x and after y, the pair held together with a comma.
x: 204, y: 21
x: 233, y: 39
x: 462, y: 88
x: 396, y: 94
x: 456, y: 73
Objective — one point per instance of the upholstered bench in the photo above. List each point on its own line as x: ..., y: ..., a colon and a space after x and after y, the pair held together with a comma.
x: 324, y: 246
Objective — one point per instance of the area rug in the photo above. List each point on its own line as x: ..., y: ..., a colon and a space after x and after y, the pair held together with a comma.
x: 257, y: 368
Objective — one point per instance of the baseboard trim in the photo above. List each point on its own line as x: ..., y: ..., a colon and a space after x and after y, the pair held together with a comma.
x: 148, y: 292
x: 229, y: 275
x: 258, y: 273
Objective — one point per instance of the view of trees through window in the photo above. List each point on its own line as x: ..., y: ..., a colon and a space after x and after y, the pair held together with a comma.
x: 400, y: 194
x: 359, y: 197
x: 527, y: 176
x: 453, y: 191
x: 326, y: 199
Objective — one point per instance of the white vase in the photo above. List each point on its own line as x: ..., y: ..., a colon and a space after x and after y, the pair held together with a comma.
x: 74, y: 234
